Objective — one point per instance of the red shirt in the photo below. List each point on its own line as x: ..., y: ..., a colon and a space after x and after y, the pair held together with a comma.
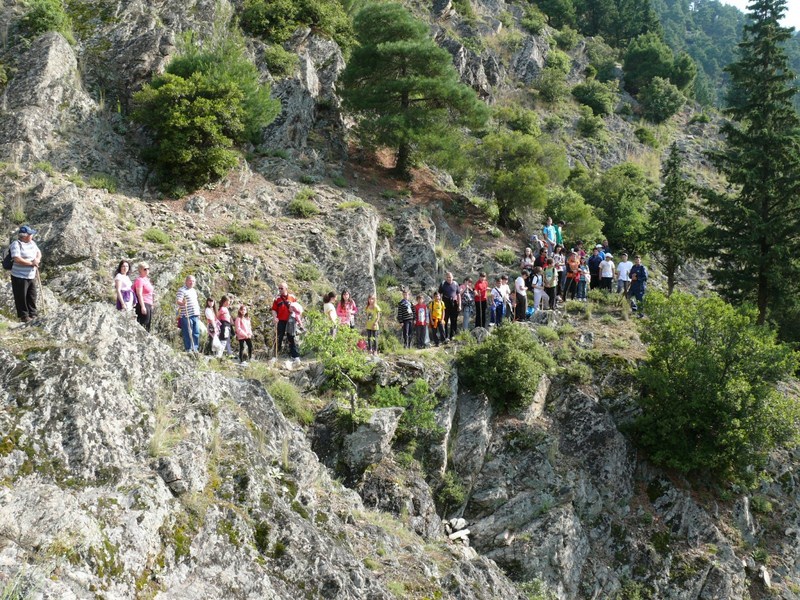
x: 281, y: 306
x: 481, y: 287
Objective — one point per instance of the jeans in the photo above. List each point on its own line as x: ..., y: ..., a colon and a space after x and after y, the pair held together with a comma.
x: 372, y: 340
x: 622, y: 286
x: 581, y: 290
x: 281, y: 333
x: 480, y: 314
x: 497, y: 314
x: 24, y: 297
x: 190, y: 328
x: 467, y: 311
x: 408, y: 328
x: 521, y: 307
x: 420, y: 331
x: 450, y: 317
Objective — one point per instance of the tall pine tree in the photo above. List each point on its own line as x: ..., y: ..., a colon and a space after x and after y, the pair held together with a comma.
x: 402, y: 85
x: 672, y: 230
x: 755, y: 225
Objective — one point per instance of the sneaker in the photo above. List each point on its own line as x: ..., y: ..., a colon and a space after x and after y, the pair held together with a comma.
x: 243, y: 364
x: 296, y: 359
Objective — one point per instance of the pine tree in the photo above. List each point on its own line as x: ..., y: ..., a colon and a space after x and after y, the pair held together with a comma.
x: 401, y: 84
x: 672, y: 231
x: 755, y: 226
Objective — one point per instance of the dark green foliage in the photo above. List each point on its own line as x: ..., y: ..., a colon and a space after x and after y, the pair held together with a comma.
x: 560, y: 13
x: 589, y: 124
x: 646, y: 57
x: 518, y: 169
x: 302, y: 205
x: 709, y: 401
x: 207, y: 102
x: 596, y: 95
x: 506, y: 367
x: 43, y: 16
x: 558, y: 60
x: 660, y: 100
x: 403, y: 86
x: 617, y: 21
x: 518, y: 118
x: 644, y: 135
x: 672, y: 231
x: 567, y: 205
x: 761, y: 161
x: 419, y: 403
x: 621, y: 196
x: 533, y: 21
x: 602, y: 57
x: 342, y: 361
x: 567, y: 38
x: 276, y: 20
x: 281, y: 63
x: 684, y: 72
x: 450, y: 494
x: 551, y: 84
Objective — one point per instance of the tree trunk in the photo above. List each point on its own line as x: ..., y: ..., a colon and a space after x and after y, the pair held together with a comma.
x: 403, y: 157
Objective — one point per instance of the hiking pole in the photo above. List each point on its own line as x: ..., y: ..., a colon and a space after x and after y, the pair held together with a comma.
x: 275, y: 340
x: 41, y: 292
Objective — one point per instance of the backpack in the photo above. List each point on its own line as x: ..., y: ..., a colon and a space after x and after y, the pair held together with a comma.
x: 8, y: 262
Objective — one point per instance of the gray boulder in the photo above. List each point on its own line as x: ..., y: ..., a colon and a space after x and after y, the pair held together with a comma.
x: 372, y: 441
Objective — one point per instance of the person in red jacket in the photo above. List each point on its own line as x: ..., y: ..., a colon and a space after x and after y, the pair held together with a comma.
x: 280, y: 313
x: 481, y: 299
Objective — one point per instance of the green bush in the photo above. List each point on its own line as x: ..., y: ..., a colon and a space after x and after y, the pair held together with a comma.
x: 701, y: 118
x: 450, y: 493
x: 505, y: 257
x: 564, y: 204
x: 504, y: 366
x: 280, y: 63
x: 602, y: 57
x: 567, y: 38
x: 156, y: 236
x: 45, y: 167
x: 341, y: 360
x: 290, y: 402
x: 589, y: 124
x: 206, y: 102
x: 307, y: 272
x: 546, y: 334
x: 518, y: 118
x: 244, y: 235
x: 103, y: 181
x: 46, y: 15
x: 302, y: 206
x: 386, y: 229
x: 419, y: 418
x: 558, y: 60
x: 551, y: 84
x: 339, y: 181
x: 660, y: 100
x: 646, y: 137
x: 276, y: 20
x: 709, y: 401
x: 597, y: 96
x: 217, y: 240
x: 352, y: 204
x: 533, y: 21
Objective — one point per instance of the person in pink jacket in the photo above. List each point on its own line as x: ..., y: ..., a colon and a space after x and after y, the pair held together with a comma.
x: 244, y: 333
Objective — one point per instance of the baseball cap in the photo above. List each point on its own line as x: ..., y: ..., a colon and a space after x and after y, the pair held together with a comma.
x: 27, y: 230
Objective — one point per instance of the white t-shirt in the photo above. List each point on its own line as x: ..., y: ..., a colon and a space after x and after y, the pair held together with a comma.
x: 125, y: 284
x: 519, y: 285
x: 607, y: 268
x: 505, y: 290
x: 330, y: 311
x: 623, y: 270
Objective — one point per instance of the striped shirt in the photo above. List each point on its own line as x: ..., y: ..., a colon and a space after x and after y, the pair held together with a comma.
x: 25, y: 251
x: 192, y: 308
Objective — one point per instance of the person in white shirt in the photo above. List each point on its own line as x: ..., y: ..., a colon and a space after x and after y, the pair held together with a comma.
x: 607, y: 273
x: 624, y: 275
x: 189, y: 312
x: 521, y: 291
x: 508, y: 300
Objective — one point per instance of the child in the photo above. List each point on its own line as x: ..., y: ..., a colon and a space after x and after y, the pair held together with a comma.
x: 583, y: 280
x: 373, y: 314
x: 420, y: 321
x: 496, y: 316
x: 537, y: 283
x: 346, y: 310
x: 329, y: 310
x: 405, y: 316
x: 550, y: 283
x: 437, y: 319
x: 244, y: 333
x: 224, y: 318
x: 212, y: 325
x: 296, y: 315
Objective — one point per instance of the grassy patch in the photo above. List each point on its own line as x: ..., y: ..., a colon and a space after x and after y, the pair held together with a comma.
x: 303, y: 206
x: 157, y: 236
x: 291, y: 403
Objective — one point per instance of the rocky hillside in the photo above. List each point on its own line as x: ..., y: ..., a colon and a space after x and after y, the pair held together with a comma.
x: 129, y: 471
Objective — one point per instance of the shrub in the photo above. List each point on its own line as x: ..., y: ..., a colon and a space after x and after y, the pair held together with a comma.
x: 533, y: 21
x: 505, y: 257
x: 589, y: 125
x: 701, y: 118
x: 551, y: 84
x: 546, y: 334
x: 518, y: 118
x: 660, y: 99
x: 558, y: 60
x: 567, y: 38
x: 244, y: 235
x: 103, y: 181
x: 340, y: 358
x: 646, y: 137
x: 206, y: 102
x: 569, y: 206
x: 419, y: 402
x: 504, y: 366
x: 45, y: 167
x: 597, y: 96
x: 46, y: 15
x: 450, y: 494
x: 488, y: 208
x: 306, y: 272
x: 217, y: 240
x: 290, y: 402
x: 352, y: 204
x: 386, y: 229
x: 709, y: 401
x: 156, y: 236
x: 302, y: 206
x: 280, y: 63
x: 339, y: 181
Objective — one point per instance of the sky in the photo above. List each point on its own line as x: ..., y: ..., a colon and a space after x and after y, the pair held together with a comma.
x: 792, y: 18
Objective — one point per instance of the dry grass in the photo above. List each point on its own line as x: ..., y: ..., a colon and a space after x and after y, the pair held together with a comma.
x: 166, y: 433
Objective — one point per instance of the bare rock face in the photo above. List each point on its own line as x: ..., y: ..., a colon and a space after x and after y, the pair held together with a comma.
x: 528, y: 62
x: 372, y: 441
x: 43, y: 96
x: 477, y: 71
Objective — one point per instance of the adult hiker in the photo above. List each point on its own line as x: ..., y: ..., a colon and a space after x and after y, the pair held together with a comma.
x: 560, y: 233
x: 638, y: 285
x: 143, y: 289
x: 123, y: 288
x: 189, y: 311
x: 481, y: 293
x: 594, y: 262
x: 521, y: 300
x: 451, y: 297
x: 280, y: 314
x: 550, y: 236
x: 624, y: 274
x: 25, y: 257
x: 467, y: 303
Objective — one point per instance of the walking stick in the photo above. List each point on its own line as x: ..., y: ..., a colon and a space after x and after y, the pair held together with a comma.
x: 41, y: 292
x: 275, y: 340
